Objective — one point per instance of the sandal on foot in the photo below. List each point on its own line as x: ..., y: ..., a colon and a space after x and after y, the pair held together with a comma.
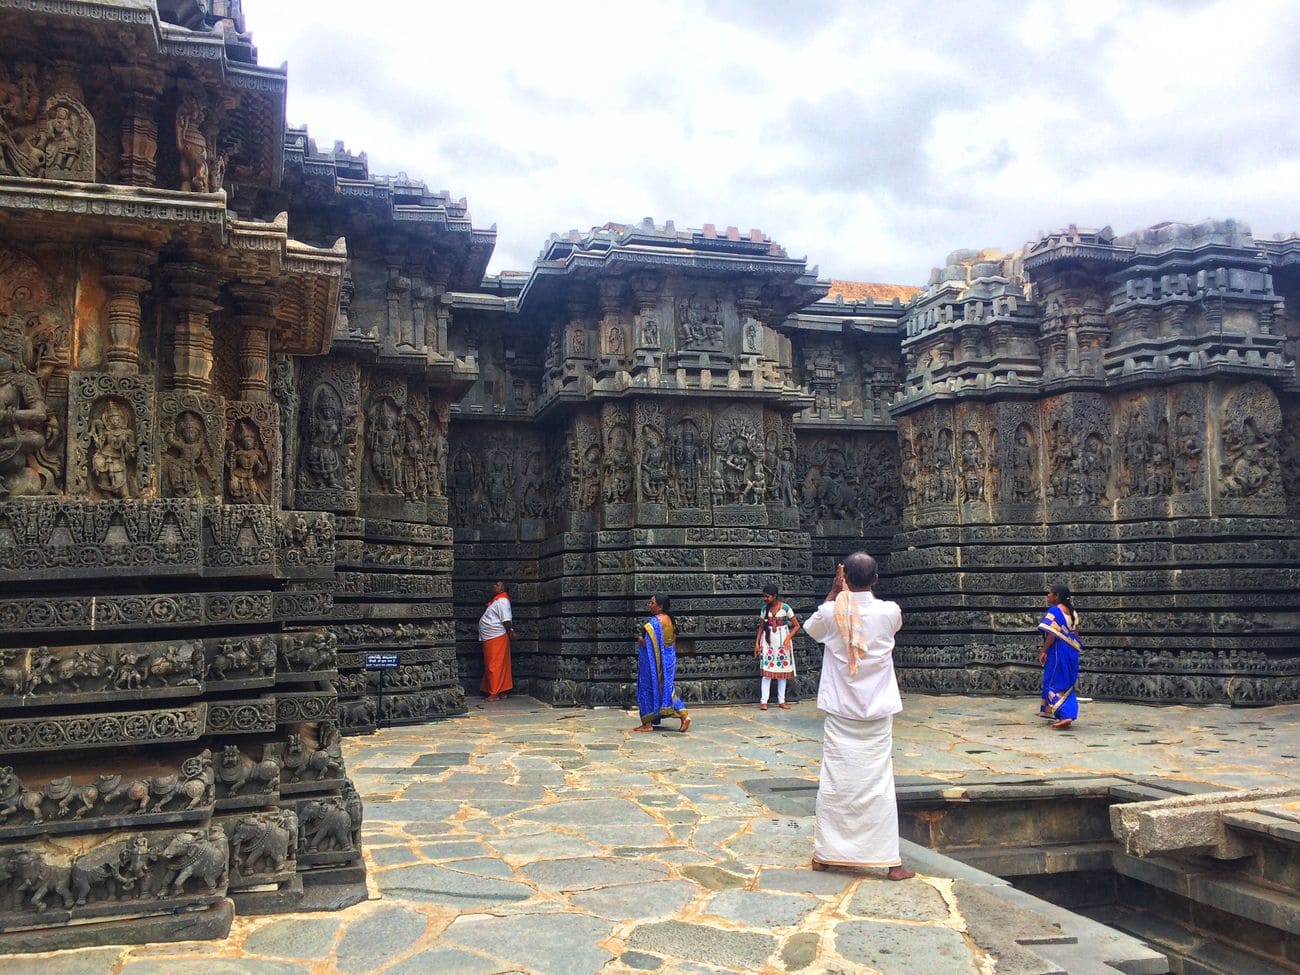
x: 900, y: 872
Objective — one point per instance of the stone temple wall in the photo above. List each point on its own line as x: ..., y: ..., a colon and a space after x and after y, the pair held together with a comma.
x: 168, y: 713
x: 1109, y: 412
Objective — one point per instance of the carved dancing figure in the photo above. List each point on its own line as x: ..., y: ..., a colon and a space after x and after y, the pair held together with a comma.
x: 113, y: 447
x: 186, y: 459
x: 248, y: 465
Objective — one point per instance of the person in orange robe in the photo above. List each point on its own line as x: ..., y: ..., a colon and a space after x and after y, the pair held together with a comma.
x: 495, y: 631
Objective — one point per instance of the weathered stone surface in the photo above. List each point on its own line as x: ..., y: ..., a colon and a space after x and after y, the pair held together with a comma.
x: 697, y: 942
x: 759, y: 909
x: 589, y: 873
x: 299, y: 938
x: 565, y: 944
x: 381, y: 935
x: 428, y: 884
x: 897, y: 949
x: 640, y: 901
x: 904, y: 902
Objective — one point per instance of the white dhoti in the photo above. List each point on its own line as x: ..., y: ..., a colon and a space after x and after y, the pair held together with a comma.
x: 857, y: 812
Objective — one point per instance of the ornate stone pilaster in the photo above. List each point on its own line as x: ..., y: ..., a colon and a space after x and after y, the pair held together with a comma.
x: 127, y: 277
x: 139, y: 159
x: 191, y: 292
x: 255, y: 315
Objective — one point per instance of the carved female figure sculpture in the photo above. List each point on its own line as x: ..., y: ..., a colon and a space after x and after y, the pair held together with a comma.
x: 113, y: 448
x: 654, y: 466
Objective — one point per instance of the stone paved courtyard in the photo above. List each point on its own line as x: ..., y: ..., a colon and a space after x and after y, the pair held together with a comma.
x: 527, y: 839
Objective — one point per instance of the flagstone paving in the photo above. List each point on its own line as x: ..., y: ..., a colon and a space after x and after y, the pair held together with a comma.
x: 526, y: 839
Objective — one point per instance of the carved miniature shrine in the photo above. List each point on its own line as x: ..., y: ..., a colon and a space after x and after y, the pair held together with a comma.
x: 263, y: 415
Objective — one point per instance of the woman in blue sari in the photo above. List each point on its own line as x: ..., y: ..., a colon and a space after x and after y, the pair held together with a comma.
x: 657, y: 667
x: 1059, y: 656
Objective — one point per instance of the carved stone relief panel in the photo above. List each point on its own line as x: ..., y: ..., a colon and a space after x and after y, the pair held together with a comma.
x: 385, y: 437
x: 251, y: 452
x: 190, y: 445
x: 739, y: 475
x: 690, y: 466
x: 1289, y: 452
x: 618, y: 476
x: 49, y: 133
x: 585, y: 463
x: 328, y: 425
x: 1078, y: 459
x: 1188, y: 438
x: 1249, y: 423
x: 701, y: 323
x: 111, y: 436
x: 1145, y: 462
x: 652, y: 452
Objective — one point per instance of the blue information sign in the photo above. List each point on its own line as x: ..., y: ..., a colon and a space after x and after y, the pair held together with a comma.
x: 381, y: 661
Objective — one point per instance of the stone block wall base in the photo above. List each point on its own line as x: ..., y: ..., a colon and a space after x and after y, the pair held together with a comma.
x: 210, y: 923
x: 287, y: 897
x: 333, y: 890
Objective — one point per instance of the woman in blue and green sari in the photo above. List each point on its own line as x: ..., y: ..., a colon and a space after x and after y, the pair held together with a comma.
x: 1059, y: 656
x: 657, y: 667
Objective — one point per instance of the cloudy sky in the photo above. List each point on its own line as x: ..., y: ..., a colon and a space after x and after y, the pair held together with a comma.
x: 873, y: 138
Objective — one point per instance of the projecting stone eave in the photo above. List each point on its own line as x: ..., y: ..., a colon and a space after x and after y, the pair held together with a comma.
x: 785, y: 284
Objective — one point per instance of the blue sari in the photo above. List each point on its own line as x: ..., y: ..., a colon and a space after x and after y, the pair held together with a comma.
x: 1061, y: 669
x: 656, y: 669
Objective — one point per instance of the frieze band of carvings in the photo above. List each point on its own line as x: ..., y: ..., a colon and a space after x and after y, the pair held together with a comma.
x: 110, y: 730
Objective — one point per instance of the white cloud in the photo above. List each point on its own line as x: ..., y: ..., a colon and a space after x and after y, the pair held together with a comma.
x: 872, y: 140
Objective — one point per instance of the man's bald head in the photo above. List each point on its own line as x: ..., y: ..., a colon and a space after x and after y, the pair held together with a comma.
x: 860, y: 571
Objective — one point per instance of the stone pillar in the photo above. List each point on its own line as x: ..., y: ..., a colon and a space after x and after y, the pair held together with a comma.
x: 438, y: 341
x: 420, y: 296
x: 192, y: 291
x: 127, y: 277
x: 139, y: 159
x: 255, y: 315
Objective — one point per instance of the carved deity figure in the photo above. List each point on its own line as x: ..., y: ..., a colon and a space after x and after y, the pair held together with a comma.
x: 945, y: 487
x: 614, y: 341
x: 649, y: 331
x: 1249, y: 465
x: 908, y: 474
x: 322, y: 457
x: 186, y: 466
x: 413, y: 472
x: 384, y: 438
x: 192, y: 145
x: 27, y: 428
x: 248, y: 466
x: 499, y: 481
x: 462, y: 486
x: 1161, y: 475
x: 972, y: 467
x: 618, y: 468
x: 739, y: 474
x: 835, y: 491
x: 689, y: 474
x: 1024, y: 487
x: 113, y: 448
x: 654, y: 466
x: 589, y: 479
x: 1096, y: 469
x: 532, y: 496
x: 1189, y: 445
x: 783, y: 481
x: 51, y: 141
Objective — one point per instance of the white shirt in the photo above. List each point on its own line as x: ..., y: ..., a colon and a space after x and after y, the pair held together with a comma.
x: 873, y: 691
x: 495, y: 617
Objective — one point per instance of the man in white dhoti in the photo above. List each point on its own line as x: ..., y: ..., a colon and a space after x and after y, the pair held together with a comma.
x: 857, y: 813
